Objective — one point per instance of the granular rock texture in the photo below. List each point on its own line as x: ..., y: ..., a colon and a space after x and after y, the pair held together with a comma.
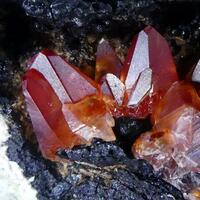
x: 6, y: 78
x: 117, y: 182
x: 128, y: 179
x: 85, y: 16
x: 100, y: 153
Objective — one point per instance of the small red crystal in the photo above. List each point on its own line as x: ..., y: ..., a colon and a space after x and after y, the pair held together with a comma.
x: 106, y: 61
x: 90, y: 118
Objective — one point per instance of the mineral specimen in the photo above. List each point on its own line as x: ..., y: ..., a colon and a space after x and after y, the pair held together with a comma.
x: 173, y: 145
x: 148, y: 71
x: 67, y: 108
x: 48, y: 84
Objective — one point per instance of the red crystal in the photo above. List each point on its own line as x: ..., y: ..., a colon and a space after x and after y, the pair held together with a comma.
x: 45, y: 111
x: 48, y: 84
x: 68, y: 82
x: 106, y: 61
x: 90, y: 119
x: 173, y: 144
x: 149, y: 58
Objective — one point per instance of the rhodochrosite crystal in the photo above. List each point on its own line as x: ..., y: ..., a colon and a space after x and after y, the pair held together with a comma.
x: 148, y: 71
x: 67, y: 108
x: 106, y: 61
x: 48, y: 84
x: 173, y: 145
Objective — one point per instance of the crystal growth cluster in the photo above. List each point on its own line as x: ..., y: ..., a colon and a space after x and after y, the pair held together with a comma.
x: 68, y: 109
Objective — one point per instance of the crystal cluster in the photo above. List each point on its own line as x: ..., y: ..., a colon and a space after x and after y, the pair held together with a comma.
x: 67, y: 108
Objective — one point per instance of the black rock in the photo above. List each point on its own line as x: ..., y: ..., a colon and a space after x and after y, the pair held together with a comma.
x: 117, y: 182
x: 128, y: 129
x: 100, y: 153
x: 84, y: 16
x: 6, y: 78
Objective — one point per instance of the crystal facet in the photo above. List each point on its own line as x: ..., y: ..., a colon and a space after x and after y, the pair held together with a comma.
x: 106, y: 61
x: 149, y: 50
x: 173, y: 145
x: 68, y: 82
x: 142, y: 87
x: 111, y: 86
x: 51, y: 83
x: 196, y: 73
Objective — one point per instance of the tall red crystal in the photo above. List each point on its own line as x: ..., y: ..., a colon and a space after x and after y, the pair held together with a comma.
x: 106, y: 61
x: 68, y: 82
x: 45, y: 111
x: 150, y: 64
x: 49, y: 83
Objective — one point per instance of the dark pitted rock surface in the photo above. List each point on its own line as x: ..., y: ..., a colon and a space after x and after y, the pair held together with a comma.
x: 85, y: 16
x: 128, y: 129
x: 116, y: 182
x: 6, y: 78
x: 100, y: 153
x: 120, y: 178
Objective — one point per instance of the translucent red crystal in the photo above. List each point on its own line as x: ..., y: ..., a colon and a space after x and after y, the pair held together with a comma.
x: 149, y: 58
x: 67, y: 108
x: 90, y: 119
x: 49, y: 84
x: 106, y: 61
x: 45, y: 111
x: 173, y: 145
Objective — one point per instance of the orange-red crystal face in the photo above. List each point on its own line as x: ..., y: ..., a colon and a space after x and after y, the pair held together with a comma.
x: 106, y: 61
x: 51, y: 83
x: 173, y: 144
x: 149, y: 63
x: 90, y: 118
x: 67, y: 108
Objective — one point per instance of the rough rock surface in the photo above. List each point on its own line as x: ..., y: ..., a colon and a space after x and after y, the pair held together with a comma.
x: 128, y: 129
x: 129, y: 179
